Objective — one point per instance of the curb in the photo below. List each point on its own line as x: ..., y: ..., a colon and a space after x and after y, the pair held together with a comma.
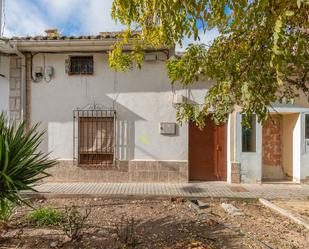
x: 296, y: 218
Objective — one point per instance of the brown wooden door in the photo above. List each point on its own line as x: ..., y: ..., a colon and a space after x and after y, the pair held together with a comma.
x: 207, y: 152
x: 221, y: 152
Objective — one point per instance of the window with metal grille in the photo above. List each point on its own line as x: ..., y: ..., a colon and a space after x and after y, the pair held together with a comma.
x: 81, y: 65
x: 95, y: 137
x: 306, y: 126
x: 249, y: 136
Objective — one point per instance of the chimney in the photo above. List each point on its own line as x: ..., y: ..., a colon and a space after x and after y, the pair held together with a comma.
x: 52, y: 33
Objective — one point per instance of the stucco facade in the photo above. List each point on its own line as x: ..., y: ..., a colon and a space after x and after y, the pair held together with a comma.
x: 142, y: 100
x: 294, y: 152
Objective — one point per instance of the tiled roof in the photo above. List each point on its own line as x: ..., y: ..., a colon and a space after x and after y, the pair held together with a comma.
x: 52, y: 41
x: 101, y: 36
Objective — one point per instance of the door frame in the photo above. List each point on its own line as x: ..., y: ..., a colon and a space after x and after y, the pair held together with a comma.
x: 251, y: 162
x: 228, y: 149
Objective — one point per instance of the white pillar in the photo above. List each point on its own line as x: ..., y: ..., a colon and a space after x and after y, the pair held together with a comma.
x: 228, y: 163
x: 1, y: 18
x: 250, y: 162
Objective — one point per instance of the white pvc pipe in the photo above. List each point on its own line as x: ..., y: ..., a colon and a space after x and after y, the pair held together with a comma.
x: 23, y: 82
x: 1, y: 18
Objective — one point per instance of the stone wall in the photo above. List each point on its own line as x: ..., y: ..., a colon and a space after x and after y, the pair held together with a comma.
x: 271, y: 149
x: 235, y: 172
x: 123, y: 171
x: 15, y: 89
x: 272, y: 141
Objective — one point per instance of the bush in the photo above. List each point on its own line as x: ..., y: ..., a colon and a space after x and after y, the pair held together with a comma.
x: 74, y: 222
x: 21, y: 164
x: 6, y: 211
x: 126, y: 232
x: 45, y: 216
x: 5, y: 215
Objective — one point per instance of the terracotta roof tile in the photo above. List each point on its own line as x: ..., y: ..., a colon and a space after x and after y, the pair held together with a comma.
x: 101, y: 36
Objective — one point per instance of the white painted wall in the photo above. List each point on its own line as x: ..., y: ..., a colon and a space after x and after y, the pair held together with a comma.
x: 251, y: 169
x: 303, y: 170
x: 251, y: 162
x: 4, y: 83
x: 297, y: 149
x: 142, y: 99
x: 228, y: 149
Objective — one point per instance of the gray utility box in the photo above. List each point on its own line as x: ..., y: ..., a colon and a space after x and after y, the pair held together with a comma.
x: 167, y: 128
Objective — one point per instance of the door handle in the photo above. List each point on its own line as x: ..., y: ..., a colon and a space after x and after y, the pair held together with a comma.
x: 218, y: 147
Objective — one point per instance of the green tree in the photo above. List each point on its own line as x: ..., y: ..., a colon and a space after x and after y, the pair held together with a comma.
x: 261, y: 55
x: 20, y: 164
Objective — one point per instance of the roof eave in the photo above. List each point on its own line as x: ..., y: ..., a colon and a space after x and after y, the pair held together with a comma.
x: 62, y: 45
x: 89, y: 45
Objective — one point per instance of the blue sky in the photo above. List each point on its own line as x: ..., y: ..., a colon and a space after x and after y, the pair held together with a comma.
x: 71, y: 17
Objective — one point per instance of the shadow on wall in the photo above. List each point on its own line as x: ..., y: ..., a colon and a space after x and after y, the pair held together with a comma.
x: 58, y: 138
x: 152, y: 156
x: 125, y: 130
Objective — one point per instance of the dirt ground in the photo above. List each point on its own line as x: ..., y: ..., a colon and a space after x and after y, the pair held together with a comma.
x: 160, y: 224
x: 301, y: 207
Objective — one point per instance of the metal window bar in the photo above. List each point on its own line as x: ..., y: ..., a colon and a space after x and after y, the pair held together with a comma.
x: 81, y: 65
x: 94, y: 137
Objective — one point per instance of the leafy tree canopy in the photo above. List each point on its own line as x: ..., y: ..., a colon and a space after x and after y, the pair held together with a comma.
x: 261, y: 55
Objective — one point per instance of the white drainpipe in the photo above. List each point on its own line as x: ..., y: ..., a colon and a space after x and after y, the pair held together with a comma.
x: 23, y: 82
x: 1, y: 5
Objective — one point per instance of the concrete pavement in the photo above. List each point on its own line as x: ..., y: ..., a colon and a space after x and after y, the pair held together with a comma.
x: 202, y: 189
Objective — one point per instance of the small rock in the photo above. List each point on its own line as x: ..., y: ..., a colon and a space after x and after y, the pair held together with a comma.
x: 114, y: 235
x: 54, y: 244
x: 197, y: 204
x: 177, y: 199
x: 102, y: 233
x: 211, y: 222
x: 232, y: 210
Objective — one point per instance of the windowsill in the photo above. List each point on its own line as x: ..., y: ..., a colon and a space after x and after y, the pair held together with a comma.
x: 80, y: 74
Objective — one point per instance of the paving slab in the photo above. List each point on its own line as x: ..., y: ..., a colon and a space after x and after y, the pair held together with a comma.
x: 204, y: 189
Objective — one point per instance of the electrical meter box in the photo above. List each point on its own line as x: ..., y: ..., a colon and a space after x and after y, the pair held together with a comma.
x: 38, y: 72
x: 49, y: 71
x: 178, y: 98
x: 167, y: 128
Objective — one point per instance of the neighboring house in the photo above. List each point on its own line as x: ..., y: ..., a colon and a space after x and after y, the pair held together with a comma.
x: 106, y: 126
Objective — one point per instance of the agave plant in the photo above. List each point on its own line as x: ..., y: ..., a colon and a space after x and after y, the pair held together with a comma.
x: 21, y: 164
